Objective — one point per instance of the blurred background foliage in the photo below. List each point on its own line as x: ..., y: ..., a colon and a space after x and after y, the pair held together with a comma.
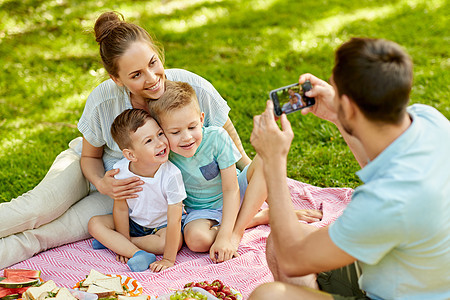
x: 245, y: 48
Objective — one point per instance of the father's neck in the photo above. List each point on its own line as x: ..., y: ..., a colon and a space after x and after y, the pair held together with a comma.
x: 376, y: 136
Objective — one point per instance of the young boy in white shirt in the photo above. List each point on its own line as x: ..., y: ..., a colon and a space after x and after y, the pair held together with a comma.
x: 150, y: 224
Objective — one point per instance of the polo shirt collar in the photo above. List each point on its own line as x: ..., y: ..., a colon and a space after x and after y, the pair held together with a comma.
x: 401, y: 145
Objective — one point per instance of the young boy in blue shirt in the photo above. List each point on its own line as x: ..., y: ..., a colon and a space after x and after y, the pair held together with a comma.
x: 207, y: 159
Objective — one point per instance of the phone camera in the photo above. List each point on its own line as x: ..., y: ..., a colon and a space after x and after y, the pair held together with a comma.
x: 306, y: 86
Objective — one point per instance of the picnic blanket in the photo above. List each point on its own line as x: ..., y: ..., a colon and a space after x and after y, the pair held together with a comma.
x: 68, y: 264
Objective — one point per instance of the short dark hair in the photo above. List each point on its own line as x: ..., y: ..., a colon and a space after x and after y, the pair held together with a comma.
x: 377, y: 75
x: 126, y: 123
x: 177, y: 95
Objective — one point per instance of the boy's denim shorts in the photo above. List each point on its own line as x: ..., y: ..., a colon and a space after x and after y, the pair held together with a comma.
x: 216, y: 214
x: 137, y: 230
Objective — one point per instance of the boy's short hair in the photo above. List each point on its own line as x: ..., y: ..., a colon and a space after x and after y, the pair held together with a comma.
x: 126, y: 123
x: 177, y: 95
x: 377, y: 75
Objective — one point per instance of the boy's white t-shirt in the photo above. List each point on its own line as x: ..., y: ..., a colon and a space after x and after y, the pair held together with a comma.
x: 149, y: 209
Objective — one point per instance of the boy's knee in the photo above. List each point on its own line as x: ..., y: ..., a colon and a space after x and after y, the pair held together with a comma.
x: 198, y: 241
x: 255, y: 172
x: 265, y: 291
x: 93, y: 224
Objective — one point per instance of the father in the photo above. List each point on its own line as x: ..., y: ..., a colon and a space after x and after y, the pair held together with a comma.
x: 397, y: 226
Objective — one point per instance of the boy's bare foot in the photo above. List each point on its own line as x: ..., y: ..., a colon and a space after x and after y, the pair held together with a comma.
x: 307, y: 215
x: 261, y: 218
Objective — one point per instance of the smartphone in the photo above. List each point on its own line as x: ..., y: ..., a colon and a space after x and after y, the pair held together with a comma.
x: 291, y: 98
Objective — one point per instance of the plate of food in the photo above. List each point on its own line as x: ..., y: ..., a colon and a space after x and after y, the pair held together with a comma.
x: 109, y: 285
x: 204, y: 290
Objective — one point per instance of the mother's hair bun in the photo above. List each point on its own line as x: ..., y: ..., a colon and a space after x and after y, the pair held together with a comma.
x: 106, y: 23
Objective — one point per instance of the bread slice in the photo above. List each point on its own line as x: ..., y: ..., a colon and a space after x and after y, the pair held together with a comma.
x: 49, y: 295
x: 34, y: 292
x: 93, y: 275
x: 64, y: 294
x: 101, y: 292
x: 45, y: 296
x: 111, y: 283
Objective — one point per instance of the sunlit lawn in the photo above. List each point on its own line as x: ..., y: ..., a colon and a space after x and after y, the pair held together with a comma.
x: 50, y: 64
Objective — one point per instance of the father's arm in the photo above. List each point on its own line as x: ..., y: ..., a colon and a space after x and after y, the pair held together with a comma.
x: 326, y: 108
x: 298, y: 251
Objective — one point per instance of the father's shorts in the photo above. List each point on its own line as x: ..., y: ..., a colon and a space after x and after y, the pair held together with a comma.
x: 342, y: 283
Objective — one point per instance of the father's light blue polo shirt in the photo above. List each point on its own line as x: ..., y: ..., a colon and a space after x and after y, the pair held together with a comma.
x: 398, y: 223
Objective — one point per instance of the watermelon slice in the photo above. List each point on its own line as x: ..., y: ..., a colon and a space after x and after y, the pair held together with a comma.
x: 10, y: 297
x: 22, y: 272
x: 16, y: 281
x: 6, y: 292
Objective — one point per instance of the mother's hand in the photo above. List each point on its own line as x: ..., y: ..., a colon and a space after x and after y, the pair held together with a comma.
x: 93, y: 169
x: 119, y: 189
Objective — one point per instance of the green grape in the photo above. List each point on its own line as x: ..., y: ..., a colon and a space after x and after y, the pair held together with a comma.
x: 187, y: 293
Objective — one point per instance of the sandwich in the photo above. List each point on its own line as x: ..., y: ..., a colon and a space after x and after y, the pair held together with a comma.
x: 110, y: 283
x: 93, y: 275
x: 35, y: 292
x: 64, y: 294
x: 101, y: 292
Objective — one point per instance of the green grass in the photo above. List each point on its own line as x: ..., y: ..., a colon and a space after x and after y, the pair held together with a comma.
x: 50, y: 64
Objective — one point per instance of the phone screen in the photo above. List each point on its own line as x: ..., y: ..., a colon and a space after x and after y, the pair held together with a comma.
x: 291, y: 98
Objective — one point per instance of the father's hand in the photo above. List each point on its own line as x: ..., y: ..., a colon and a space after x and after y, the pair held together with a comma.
x: 326, y: 106
x: 269, y: 141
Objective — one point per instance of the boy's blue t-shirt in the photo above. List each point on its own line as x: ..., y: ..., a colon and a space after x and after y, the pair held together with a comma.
x: 201, y: 172
x: 398, y: 223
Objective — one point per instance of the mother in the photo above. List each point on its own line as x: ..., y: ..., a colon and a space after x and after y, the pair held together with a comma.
x: 52, y: 213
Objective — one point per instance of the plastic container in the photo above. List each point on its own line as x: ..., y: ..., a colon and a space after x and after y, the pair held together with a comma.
x: 83, y: 295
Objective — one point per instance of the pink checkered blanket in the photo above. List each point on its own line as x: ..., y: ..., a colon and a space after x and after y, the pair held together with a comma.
x: 68, y: 264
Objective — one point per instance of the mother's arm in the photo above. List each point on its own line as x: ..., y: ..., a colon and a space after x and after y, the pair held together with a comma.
x: 93, y: 169
x: 245, y: 160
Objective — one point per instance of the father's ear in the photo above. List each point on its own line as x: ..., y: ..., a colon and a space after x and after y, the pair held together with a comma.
x: 129, y: 154
x: 116, y: 80
x: 349, y: 107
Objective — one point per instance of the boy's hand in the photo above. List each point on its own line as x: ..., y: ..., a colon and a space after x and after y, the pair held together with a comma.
x: 222, y: 250
x: 161, y: 265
